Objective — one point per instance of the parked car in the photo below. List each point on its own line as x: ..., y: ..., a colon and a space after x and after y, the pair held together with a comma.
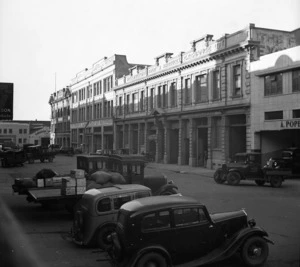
x: 247, y: 166
x: 95, y: 214
x: 132, y: 169
x: 173, y: 230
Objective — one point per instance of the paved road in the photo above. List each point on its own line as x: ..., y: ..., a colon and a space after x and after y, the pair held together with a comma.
x: 32, y: 230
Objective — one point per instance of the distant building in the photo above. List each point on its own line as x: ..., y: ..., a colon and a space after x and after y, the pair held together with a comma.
x: 21, y: 132
x: 60, y: 117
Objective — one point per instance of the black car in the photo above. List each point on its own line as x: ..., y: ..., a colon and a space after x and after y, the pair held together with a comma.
x: 166, y: 231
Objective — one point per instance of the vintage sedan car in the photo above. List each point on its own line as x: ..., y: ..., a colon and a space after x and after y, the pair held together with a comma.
x: 179, y: 231
x: 95, y: 214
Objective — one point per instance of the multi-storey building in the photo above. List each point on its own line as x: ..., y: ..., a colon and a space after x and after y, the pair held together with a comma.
x: 92, y: 102
x: 60, y: 117
x: 275, y: 102
x: 195, y: 108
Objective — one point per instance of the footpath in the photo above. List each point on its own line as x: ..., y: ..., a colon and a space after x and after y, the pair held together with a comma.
x: 182, y: 169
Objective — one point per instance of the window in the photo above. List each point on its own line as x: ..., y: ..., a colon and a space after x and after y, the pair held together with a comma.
x: 151, y: 104
x: 274, y: 115
x: 104, y: 205
x: 10, y: 131
x: 273, y: 84
x: 119, y: 201
x: 296, y: 113
x: 201, y: 88
x: 108, y: 83
x: 216, y: 85
x: 216, y: 132
x: 159, y: 96
x: 296, y: 80
x: 188, y: 216
x: 0, y: 131
x: 142, y: 101
x: 135, y: 102
x: 164, y: 96
x: 187, y: 91
x: 156, y: 220
x: 128, y: 103
x: 173, y: 95
x: 20, y: 131
x: 24, y: 140
x: 120, y: 107
x: 25, y: 131
x: 5, y: 131
x: 237, y: 81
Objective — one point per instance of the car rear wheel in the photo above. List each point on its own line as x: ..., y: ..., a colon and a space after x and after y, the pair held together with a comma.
x: 255, y: 251
x: 276, y: 181
x: 233, y: 178
x: 152, y: 259
x: 218, y: 176
x: 260, y: 182
x: 102, y: 237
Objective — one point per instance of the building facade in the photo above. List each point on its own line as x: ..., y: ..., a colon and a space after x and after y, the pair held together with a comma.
x: 14, y: 132
x: 195, y: 108
x: 60, y: 117
x: 275, y: 102
x: 92, y: 103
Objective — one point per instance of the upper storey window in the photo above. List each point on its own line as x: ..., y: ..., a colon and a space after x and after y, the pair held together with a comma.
x: 216, y: 85
x: 201, y: 88
x: 273, y: 84
x: 237, y: 80
x: 296, y: 80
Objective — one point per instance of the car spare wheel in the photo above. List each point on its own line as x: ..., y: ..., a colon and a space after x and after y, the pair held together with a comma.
x: 218, y: 176
x: 255, y: 251
x: 275, y: 181
x: 152, y: 259
x: 102, y: 236
x: 168, y: 192
x: 233, y: 178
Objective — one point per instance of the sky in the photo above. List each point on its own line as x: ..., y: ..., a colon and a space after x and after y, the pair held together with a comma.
x: 44, y: 44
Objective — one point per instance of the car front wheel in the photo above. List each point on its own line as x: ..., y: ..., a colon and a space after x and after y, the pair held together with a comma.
x: 218, y: 176
x: 276, y: 181
x: 152, y: 259
x: 255, y: 251
x: 102, y: 237
x: 233, y: 178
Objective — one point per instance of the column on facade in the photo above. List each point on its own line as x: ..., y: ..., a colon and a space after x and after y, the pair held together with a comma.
x: 166, y: 132
x: 209, y: 144
x: 159, y: 140
x: 193, y: 142
x: 181, y: 144
x: 124, y: 136
x: 130, y: 136
x: 102, y: 137
x: 146, y: 134
x: 225, y: 128
x: 139, y: 139
x: 115, y: 136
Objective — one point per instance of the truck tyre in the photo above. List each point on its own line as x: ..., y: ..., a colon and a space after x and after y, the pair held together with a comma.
x: 233, y: 178
x: 218, y: 176
x: 152, y: 259
x: 255, y: 251
x: 102, y: 237
x: 276, y: 181
x: 260, y: 182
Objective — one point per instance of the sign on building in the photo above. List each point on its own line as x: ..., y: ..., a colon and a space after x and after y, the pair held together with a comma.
x: 6, y: 101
